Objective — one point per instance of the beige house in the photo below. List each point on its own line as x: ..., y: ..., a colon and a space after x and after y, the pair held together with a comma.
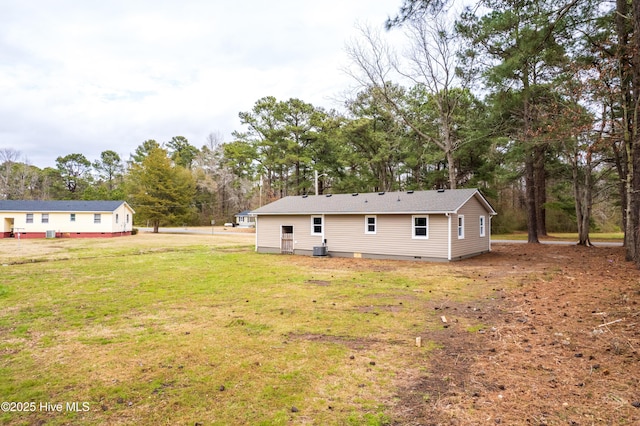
x: 65, y: 219
x: 439, y: 225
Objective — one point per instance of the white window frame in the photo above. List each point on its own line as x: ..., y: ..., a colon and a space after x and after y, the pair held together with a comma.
x: 413, y: 227
x: 72, y: 217
x: 483, y: 226
x: 313, y: 225
x: 366, y: 224
x: 461, y: 227
x: 97, y: 218
x: 117, y: 218
x: 45, y: 218
x: 29, y: 218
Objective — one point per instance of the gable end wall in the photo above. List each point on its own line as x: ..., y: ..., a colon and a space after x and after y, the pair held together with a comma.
x: 472, y: 244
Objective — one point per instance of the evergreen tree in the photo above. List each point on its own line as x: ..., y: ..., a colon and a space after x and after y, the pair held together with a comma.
x: 74, y: 170
x: 161, y: 193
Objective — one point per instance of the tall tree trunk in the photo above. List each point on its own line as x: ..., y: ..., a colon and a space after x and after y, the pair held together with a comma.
x: 530, y: 198
x: 635, y: 131
x: 583, y: 194
x: 624, y: 64
x: 448, y: 141
x: 452, y: 170
x: 540, y: 185
x: 634, y: 197
x: 620, y: 157
x: 298, y: 190
x: 529, y: 163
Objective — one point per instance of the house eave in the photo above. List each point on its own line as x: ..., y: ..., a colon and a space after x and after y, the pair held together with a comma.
x: 354, y: 213
x: 66, y: 210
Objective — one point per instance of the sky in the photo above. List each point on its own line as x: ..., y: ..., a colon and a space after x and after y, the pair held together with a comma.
x: 89, y: 76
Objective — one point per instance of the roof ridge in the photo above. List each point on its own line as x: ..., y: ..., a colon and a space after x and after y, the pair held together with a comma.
x: 403, y: 202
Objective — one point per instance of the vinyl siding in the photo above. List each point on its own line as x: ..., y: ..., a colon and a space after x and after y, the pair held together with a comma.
x: 346, y: 234
x: 269, y: 232
x: 472, y: 243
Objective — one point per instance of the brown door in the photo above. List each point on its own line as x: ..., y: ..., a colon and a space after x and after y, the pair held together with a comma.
x: 286, y: 243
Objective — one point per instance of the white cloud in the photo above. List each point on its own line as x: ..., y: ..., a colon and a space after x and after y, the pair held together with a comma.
x: 84, y: 77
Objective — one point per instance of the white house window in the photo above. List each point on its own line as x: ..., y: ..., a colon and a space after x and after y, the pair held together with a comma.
x: 420, y: 227
x: 117, y: 218
x: 482, y: 226
x: 45, y: 217
x: 29, y: 217
x: 97, y: 218
x: 72, y: 217
x: 316, y: 225
x: 127, y: 217
x: 460, y: 227
x: 370, y: 224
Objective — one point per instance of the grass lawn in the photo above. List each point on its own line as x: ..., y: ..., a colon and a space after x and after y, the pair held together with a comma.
x: 196, y: 329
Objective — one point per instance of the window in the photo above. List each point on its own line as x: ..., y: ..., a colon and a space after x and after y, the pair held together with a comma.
x: 117, y: 217
x: 316, y: 225
x: 45, y: 217
x: 97, y: 218
x: 482, y: 226
x: 127, y: 217
x: 460, y: 227
x: 72, y: 217
x: 370, y: 224
x: 29, y: 217
x: 420, y: 227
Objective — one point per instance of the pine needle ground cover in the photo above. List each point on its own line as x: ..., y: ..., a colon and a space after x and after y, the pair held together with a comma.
x: 196, y: 329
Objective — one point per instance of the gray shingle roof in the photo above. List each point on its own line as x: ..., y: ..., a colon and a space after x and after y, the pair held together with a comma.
x: 58, y: 206
x: 418, y: 202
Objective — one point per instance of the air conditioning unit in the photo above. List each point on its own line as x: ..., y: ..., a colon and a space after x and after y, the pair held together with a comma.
x: 320, y: 250
x: 51, y: 234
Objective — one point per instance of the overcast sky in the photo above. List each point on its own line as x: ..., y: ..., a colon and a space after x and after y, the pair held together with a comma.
x: 89, y: 76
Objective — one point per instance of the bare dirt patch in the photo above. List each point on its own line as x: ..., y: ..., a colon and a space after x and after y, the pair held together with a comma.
x: 321, y: 283
x: 559, y: 348
x: 350, y: 342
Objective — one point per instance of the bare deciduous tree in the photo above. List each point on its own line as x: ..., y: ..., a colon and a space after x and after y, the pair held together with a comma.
x: 8, y: 159
x: 432, y: 64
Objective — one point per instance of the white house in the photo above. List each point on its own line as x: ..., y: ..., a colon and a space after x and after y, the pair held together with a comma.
x: 245, y: 219
x: 442, y: 225
x: 65, y: 219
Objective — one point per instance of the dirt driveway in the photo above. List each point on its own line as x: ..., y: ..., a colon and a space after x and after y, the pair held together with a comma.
x: 559, y: 348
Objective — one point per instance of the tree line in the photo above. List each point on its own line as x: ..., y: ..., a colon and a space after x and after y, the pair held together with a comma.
x: 534, y: 102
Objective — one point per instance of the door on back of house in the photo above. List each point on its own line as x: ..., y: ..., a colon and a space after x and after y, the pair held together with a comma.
x: 8, y: 227
x: 286, y: 242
